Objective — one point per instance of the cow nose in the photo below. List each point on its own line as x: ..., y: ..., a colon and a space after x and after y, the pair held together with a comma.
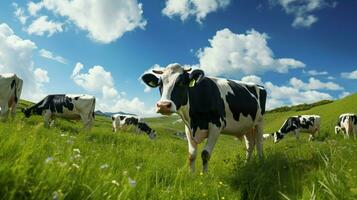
x: 164, y: 105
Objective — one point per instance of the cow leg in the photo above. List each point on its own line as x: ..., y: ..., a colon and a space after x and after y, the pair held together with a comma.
x: 192, y: 149
x: 213, y: 133
x: 86, y: 121
x: 249, y: 144
x: 47, y: 118
x: 259, y: 139
x: 4, y: 112
x: 13, y: 110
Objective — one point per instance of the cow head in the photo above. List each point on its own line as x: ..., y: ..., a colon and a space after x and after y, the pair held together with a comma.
x: 27, y: 112
x: 173, y: 82
x: 277, y: 136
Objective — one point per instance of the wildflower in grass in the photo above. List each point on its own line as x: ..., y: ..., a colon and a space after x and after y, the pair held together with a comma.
x: 115, y: 182
x: 221, y: 183
x: 77, y: 156
x: 63, y: 135
x: 125, y: 172
x: 49, y: 159
x: 104, y: 166
x: 201, y: 173
x: 77, y: 151
x: 132, y: 182
x: 69, y: 142
x: 138, y: 167
x: 223, y: 198
x: 75, y: 165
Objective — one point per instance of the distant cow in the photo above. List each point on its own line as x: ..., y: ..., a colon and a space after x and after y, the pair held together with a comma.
x: 10, y: 92
x: 64, y: 106
x: 347, y: 124
x: 302, y: 123
x: 119, y: 120
x: 209, y: 106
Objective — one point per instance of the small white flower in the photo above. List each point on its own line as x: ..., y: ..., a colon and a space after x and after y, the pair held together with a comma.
x: 125, y: 173
x: 77, y: 156
x: 132, y: 182
x: 63, y: 135
x: 115, y: 183
x: 69, y: 142
x: 104, y: 166
x: 138, y: 167
x: 49, y: 159
x: 77, y: 151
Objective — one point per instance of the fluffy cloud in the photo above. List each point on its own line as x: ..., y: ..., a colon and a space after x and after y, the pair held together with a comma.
x: 314, y: 84
x: 16, y: 57
x: 42, y: 25
x: 105, y: 21
x: 49, y: 55
x: 233, y: 54
x: 197, y: 8
x: 20, y: 13
x: 288, y: 94
x: 41, y: 75
x: 349, y: 75
x: 303, y: 9
x: 101, y: 83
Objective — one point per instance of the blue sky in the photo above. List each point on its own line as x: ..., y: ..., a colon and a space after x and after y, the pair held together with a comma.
x: 301, y: 51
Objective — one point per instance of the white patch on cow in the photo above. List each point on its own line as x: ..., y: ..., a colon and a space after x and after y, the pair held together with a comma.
x: 347, y: 125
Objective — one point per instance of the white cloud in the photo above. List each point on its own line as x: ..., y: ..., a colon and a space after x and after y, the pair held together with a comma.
x: 331, y: 78
x: 198, y: 8
x: 101, y: 83
x: 303, y: 9
x: 344, y: 94
x: 16, y: 57
x: 20, y: 13
x: 315, y: 72
x: 105, y: 21
x: 33, y: 8
x: 42, y: 25
x: 234, y: 55
x: 41, y: 75
x: 288, y: 95
x: 314, y: 84
x: 349, y: 75
x: 49, y: 55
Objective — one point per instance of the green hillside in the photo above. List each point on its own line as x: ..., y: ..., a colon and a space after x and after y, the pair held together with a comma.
x: 66, y: 162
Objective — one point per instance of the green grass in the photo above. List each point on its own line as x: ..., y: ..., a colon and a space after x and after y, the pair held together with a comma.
x: 40, y: 163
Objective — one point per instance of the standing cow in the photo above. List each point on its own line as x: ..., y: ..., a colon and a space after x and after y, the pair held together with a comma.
x: 120, y: 120
x: 302, y: 123
x: 209, y: 106
x: 10, y: 92
x: 347, y: 124
x: 64, y: 106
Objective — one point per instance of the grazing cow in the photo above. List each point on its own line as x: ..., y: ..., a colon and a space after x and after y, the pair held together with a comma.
x: 302, y: 123
x: 64, y: 106
x: 347, y: 124
x: 10, y: 92
x: 127, y: 120
x: 209, y: 106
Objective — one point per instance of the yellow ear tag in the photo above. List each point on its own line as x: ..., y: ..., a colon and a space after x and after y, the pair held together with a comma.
x: 192, y: 83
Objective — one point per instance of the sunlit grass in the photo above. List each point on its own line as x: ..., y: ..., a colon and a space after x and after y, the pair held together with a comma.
x: 66, y: 162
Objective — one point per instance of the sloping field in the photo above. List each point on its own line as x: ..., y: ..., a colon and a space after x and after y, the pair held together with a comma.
x: 65, y: 162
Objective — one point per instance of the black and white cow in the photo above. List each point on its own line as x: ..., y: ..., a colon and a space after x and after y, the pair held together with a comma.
x: 10, y: 92
x: 302, y: 123
x: 120, y: 120
x: 64, y: 106
x: 209, y: 106
x: 347, y: 124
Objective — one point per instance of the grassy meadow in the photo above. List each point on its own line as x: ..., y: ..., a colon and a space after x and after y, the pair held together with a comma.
x: 66, y: 162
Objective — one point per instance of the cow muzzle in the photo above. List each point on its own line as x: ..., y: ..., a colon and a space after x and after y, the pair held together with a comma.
x: 164, y: 107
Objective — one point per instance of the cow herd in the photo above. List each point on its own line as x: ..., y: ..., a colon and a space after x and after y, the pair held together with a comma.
x: 208, y: 106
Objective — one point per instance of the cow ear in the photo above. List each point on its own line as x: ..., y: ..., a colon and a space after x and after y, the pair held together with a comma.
x: 150, y: 79
x: 195, y: 77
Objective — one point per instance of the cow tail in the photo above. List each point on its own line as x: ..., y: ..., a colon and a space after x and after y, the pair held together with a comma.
x: 14, y: 86
x: 93, y: 108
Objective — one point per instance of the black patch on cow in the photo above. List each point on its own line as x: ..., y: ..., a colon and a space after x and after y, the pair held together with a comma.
x: 306, y: 123
x: 206, y: 105
x: 113, y: 118
x: 241, y: 101
x: 121, y: 117
x: 290, y: 124
x: 179, y: 91
x: 13, y: 85
x: 54, y: 103
x: 131, y: 121
x: 262, y: 99
x: 252, y: 90
x: 76, y: 98
x: 354, y: 119
x: 144, y: 127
